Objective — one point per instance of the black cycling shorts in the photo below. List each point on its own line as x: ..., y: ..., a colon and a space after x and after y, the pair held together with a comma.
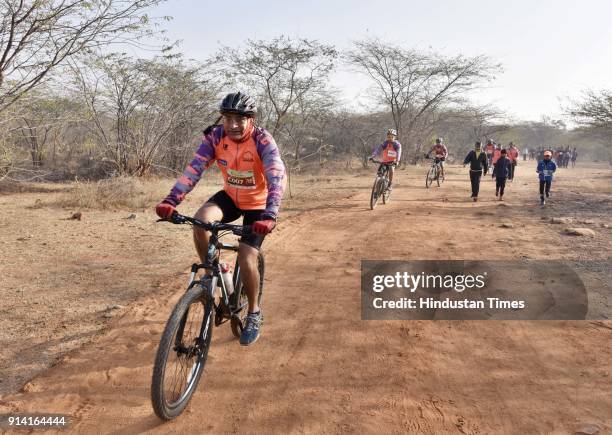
x: 231, y: 213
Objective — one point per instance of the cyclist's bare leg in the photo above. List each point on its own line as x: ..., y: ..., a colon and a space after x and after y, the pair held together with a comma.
x: 207, y: 213
x: 249, y: 273
x: 391, y: 172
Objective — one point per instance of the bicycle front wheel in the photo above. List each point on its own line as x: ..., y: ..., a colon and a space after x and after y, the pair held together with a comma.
x: 375, y: 193
x: 182, y: 352
x: 386, y: 193
x: 430, y: 177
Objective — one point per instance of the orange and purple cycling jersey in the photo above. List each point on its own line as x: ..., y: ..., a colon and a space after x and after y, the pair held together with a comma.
x: 389, y: 150
x: 253, y: 172
x: 439, y: 149
x: 490, y: 148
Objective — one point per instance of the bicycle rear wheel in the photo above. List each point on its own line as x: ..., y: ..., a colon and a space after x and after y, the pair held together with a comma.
x: 182, y: 352
x: 386, y: 193
x: 240, y: 296
x: 375, y: 193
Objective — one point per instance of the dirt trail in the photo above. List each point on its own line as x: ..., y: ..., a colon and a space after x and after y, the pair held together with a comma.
x: 319, y: 368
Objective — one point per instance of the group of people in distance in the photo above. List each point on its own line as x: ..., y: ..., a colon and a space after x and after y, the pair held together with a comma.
x: 562, y: 156
x: 504, y: 163
x: 501, y: 161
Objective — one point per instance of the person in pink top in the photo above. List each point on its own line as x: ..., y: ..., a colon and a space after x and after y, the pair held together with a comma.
x: 513, y: 155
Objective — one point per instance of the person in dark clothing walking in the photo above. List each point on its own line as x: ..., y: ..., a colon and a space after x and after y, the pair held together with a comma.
x: 478, y: 163
x: 501, y: 171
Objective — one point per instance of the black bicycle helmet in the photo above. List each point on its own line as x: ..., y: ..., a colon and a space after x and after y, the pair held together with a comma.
x: 238, y: 103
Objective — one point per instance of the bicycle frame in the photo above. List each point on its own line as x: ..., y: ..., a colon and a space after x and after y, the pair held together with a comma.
x: 211, y: 266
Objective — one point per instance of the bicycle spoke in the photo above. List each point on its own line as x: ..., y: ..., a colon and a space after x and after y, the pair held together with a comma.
x: 185, y: 356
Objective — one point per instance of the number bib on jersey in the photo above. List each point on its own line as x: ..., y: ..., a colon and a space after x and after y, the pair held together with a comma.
x: 391, y: 153
x: 241, y: 179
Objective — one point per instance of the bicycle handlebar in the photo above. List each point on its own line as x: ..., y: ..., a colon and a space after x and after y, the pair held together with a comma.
x: 214, y: 227
x: 383, y: 163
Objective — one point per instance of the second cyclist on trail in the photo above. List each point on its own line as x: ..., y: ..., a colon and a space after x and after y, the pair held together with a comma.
x: 441, y: 152
x: 389, y: 151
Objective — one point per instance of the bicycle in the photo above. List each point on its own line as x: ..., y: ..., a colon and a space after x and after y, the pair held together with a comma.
x: 434, y: 172
x: 188, y: 332
x: 381, y: 184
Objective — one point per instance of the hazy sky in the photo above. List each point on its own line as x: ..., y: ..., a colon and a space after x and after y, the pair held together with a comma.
x: 548, y: 49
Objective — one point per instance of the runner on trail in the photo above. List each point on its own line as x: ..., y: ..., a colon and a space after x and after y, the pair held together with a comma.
x: 489, y: 148
x: 501, y: 172
x: 546, y: 168
x: 254, y: 181
x: 574, y: 156
x: 513, y: 155
x: 389, y: 151
x: 496, y: 155
x: 478, y: 163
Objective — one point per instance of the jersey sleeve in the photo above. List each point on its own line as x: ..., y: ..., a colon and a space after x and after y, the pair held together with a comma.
x: 378, y: 150
x: 203, y: 158
x: 274, y: 171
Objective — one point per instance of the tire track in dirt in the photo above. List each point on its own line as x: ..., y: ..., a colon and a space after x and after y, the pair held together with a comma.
x: 320, y: 368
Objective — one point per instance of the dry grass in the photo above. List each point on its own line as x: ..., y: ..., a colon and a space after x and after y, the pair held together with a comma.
x: 134, y: 194
x: 114, y: 193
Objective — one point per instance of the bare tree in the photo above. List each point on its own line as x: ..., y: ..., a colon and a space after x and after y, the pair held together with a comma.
x: 594, y: 112
x: 282, y: 71
x: 139, y: 109
x: 43, y: 117
x: 412, y: 83
x: 37, y: 36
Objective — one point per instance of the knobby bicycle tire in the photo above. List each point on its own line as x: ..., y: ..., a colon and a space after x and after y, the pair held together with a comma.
x: 429, y: 177
x: 197, y: 294
x: 386, y: 193
x: 375, y: 193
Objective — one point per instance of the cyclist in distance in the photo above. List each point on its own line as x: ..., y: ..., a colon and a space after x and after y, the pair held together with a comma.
x: 254, y: 182
x: 440, y: 151
x: 389, y: 151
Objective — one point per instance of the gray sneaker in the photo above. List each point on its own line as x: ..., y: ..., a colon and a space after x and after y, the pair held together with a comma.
x: 252, y: 325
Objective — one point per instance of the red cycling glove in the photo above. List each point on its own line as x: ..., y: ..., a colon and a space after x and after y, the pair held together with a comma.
x: 263, y: 227
x: 164, y: 210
